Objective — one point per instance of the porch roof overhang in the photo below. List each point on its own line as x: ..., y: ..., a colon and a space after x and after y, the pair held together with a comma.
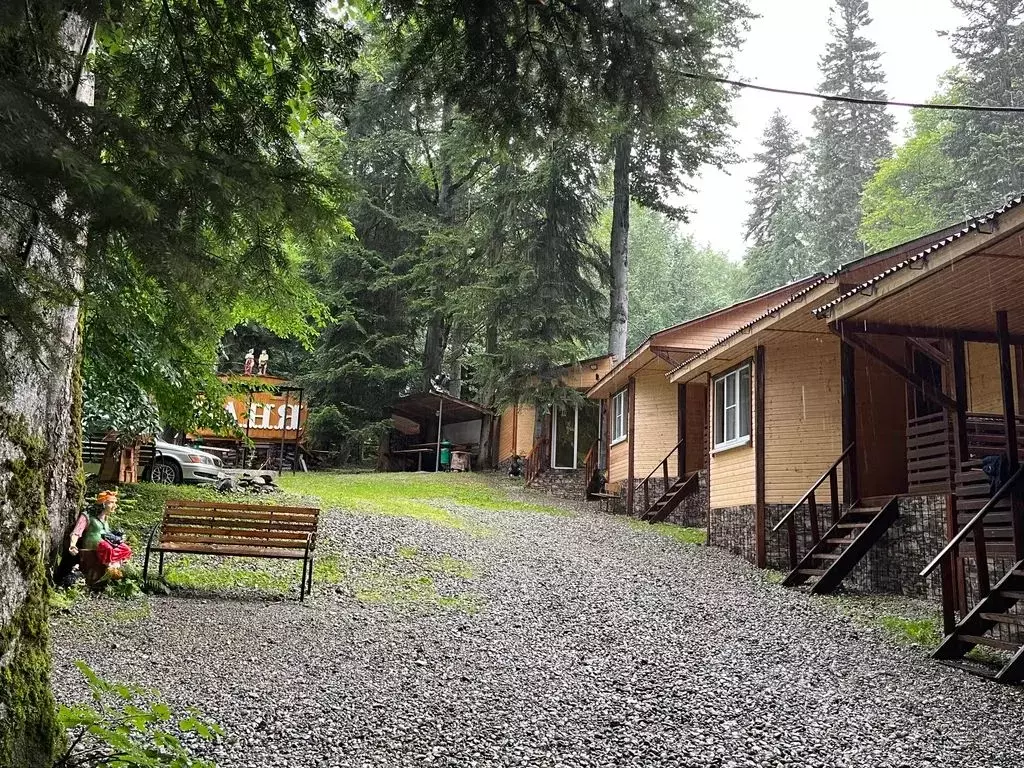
x: 954, y: 286
x: 647, y: 356
x: 421, y: 407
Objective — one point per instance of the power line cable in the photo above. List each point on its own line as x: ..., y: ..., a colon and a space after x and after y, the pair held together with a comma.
x: 847, y: 99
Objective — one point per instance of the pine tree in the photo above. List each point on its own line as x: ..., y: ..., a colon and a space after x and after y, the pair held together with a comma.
x: 987, y: 149
x: 849, y: 139
x: 776, y: 227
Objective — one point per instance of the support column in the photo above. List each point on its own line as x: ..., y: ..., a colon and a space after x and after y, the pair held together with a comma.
x: 631, y: 435
x: 961, y: 450
x: 681, y: 429
x: 1010, y: 417
x: 847, y: 363
x: 760, y: 517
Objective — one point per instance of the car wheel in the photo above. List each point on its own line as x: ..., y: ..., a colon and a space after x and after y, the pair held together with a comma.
x: 165, y: 472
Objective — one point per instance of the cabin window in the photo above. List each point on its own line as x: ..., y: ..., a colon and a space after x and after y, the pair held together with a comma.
x: 620, y: 419
x: 732, y: 409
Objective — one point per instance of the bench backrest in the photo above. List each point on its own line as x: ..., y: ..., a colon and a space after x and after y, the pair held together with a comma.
x: 256, y: 525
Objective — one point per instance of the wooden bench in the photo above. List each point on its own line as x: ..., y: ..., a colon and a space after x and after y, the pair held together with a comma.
x: 236, y: 530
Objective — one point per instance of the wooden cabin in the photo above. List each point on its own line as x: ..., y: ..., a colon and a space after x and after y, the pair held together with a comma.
x: 807, y: 432
x: 656, y: 428
x: 964, y: 298
x: 557, y: 442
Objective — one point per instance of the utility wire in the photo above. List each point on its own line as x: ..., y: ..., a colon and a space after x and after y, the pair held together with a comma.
x: 847, y: 99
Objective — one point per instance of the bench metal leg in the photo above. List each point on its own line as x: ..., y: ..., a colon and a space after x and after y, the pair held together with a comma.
x: 305, y: 569
x: 161, y: 567
x: 145, y: 562
x: 309, y: 587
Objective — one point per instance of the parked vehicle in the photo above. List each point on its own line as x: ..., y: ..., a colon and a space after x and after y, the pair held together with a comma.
x: 176, y: 464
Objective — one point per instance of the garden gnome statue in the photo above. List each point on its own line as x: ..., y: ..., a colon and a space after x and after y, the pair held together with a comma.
x: 264, y: 359
x: 250, y: 361
x: 101, y: 552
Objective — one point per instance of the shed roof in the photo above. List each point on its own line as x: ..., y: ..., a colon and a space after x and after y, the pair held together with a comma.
x: 423, y: 406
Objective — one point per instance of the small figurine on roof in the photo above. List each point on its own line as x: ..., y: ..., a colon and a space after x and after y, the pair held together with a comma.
x: 264, y: 359
x: 250, y: 361
x: 101, y: 551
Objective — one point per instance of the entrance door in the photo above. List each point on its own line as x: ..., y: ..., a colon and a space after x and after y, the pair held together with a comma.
x: 563, y: 441
x: 575, y: 432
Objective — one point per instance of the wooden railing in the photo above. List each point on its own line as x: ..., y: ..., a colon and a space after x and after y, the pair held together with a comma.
x: 589, y: 465
x: 663, y: 466
x: 537, y: 460
x: 986, y: 435
x: 789, y: 519
x: 930, y: 454
x: 975, y: 529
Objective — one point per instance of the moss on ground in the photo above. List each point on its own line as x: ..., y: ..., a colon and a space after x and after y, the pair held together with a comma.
x: 418, y: 496
x: 672, y: 531
x: 907, y: 621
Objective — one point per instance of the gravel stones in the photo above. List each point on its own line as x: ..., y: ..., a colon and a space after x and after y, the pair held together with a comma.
x: 595, y: 644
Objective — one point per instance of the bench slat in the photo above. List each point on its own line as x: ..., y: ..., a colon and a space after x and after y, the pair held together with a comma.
x: 264, y: 541
x: 227, y: 505
x: 218, y: 530
x: 238, y: 515
x: 254, y: 525
x: 191, y: 548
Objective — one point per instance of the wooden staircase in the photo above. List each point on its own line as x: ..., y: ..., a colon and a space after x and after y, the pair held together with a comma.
x: 845, y: 544
x: 995, y: 622
x: 667, y: 503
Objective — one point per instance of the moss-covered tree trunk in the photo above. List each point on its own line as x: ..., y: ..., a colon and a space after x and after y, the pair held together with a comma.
x: 40, y: 483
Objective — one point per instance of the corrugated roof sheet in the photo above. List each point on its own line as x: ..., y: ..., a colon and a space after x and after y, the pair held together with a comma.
x: 970, y: 226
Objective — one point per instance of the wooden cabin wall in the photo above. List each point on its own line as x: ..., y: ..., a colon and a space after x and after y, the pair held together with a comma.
x: 657, y: 422
x: 523, y: 417
x: 696, y: 420
x: 881, y: 405
x: 984, y: 390
x: 803, y: 413
x: 618, y: 463
x: 732, y: 477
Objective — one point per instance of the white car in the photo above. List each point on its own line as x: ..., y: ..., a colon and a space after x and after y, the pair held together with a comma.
x: 174, y: 464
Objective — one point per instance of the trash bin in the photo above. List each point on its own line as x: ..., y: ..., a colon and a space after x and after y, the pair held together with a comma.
x: 446, y: 455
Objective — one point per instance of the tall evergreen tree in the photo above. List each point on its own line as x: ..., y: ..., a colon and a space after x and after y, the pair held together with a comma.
x: 776, y: 227
x: 987, y: 149
x: 849, y: 139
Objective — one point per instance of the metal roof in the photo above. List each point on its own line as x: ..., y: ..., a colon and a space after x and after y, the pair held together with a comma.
x: 946, y: 238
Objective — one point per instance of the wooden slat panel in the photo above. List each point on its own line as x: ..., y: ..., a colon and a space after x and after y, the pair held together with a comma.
x: 168, y: 531
x: 219, y: 505
x: 259, y: 541
x: 240, y: 515
x: 228, y: 522
x: 229, y: 551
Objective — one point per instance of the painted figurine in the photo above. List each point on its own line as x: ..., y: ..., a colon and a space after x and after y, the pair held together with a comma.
x: 101, y: 552
x: 264, y: 359
x: 250, y: 361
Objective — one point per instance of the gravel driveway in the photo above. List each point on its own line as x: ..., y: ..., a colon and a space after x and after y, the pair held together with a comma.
x: 567, y: 641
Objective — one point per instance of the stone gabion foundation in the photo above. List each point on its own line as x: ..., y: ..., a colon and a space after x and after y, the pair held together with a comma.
x: 564, y: 483
x: 692, y: 511
x: 892, y: 565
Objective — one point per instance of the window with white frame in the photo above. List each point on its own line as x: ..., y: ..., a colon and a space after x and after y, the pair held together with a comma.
x: 732, y: 408
x: 620, y: 417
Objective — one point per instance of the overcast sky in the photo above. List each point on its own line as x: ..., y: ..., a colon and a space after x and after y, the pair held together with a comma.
x: 782, y: 49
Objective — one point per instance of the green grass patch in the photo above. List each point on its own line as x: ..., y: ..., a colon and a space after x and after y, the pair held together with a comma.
x: 417, y: 496
x: 410, y: 591
x: 671, y: 531
x: 919, y: 631
x: 186, y: 572
x: 773, y: 576
x: 135, y: 610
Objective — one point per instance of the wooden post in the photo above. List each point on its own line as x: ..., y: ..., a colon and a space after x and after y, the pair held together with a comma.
x: 1010, y: 414
x: 630, y: 435
x: 515, y: 430
x: 847, y: 361
x: 760, y: 517
x: 681, y: 429
x: 961, y: 449
x: 706, y: 448
x: 812, y: 508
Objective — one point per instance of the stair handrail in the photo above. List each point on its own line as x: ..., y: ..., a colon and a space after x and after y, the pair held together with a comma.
x: 534, y: 461
x: 662, y: 465
x: 788, y: 519
x: 810, y: 491
x: 975, y: 521
x: 589, y: 465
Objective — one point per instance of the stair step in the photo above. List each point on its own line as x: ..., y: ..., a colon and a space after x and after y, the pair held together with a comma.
x: 972, y: 668
x: 1011, y: 594
x: 1004, y: 618
x: 811, y: 571
x: 865, y: 511
x: 991, y: 642
x: 827, y: 556
x: 853, y: 525
x: 832, y: 540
